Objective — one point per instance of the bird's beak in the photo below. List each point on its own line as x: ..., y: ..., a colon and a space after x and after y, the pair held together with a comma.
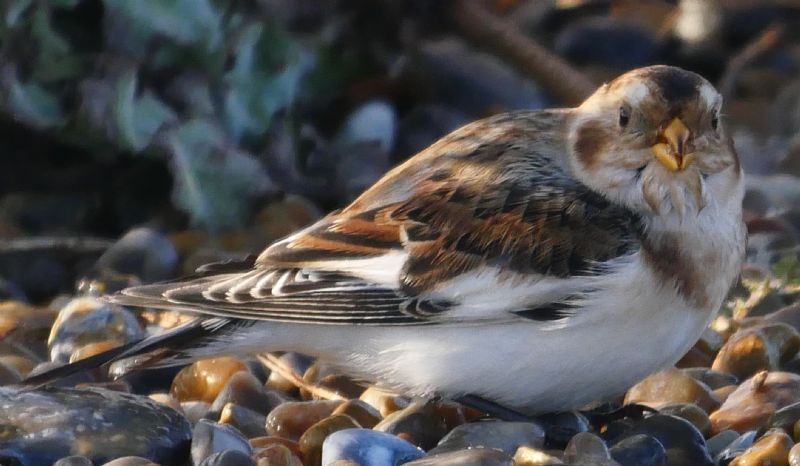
x: 671, y: 148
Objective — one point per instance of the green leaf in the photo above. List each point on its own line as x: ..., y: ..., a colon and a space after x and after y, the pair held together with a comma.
x: 214, y: 184
x: 787, y: 269
x: 264, y: 80
x: 13, y: 11
x: 137, y: 119
x: 34, y: 105
x: 187, y: 22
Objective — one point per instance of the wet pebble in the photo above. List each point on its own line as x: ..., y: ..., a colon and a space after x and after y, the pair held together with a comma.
x: 682, y: 441
x: 290, y: 420
x: 386, y: 403
x: 277, y: 455
x: 420, y: 423
x: 367, y: 447
x: 363, y: 413
x: 245, y: 390
x: 719, y: 442
x: 794, y: 455
x: 247, y: 421
x: 74, y: 461
x: 209, y: 437
x: 131, y: 461
x: 498, y: 435
x: 89, y: 320
x: 639, y: 450
x: 752, y: 404
x: 771, y: 449
x: 587, y: 448
x: 142, y: 252
x: 312, y: 440
x: 204, y: 380
x: 47, y: 424
x: 691, y: 413
x: 229, y: 458
x: 671, y: 386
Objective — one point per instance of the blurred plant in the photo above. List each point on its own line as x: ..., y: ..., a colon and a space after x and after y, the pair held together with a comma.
x: 197, y: 82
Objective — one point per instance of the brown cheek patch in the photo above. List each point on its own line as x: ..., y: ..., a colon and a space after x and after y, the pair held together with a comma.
x: 672, y: 266
x: 591, y: 140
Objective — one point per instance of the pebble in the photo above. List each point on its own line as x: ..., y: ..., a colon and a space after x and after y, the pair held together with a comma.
x: 74, y: 461
x: 681, y: 439
x: 386, y: 403
x: 794, y: 455
x: 587, y: 448
x: 735, y: 448
x: 671, y: 386
x: 498, y: 435
x: 209, y: 437
x: 472, y: 457
x: 290, y: 420
x: 531, y: 457
x: 229, y: 458
x: 719, y: 442
x: 204, y: 380
x: 751, y: 350
x: 639, y: 450
x: 312, y: 439
x: 599, y: 40
x: 142, y: 252
x: 785, y: 418
x: 25, y: 323
x: 195, y: 410
x: 714, y: 379
x: 245, y: 390
x: 131, y: 461
x: 420, y: 423
x: 691, y: 413
x: 367, y: 447
x: 51, y: 423
x: 277, y: 455
x: 248, y: 422
x: 363, y: 413
x: 561, y: 427
x: 89, y: 320
x: 374, y: 121
x: 752, y: 404
x: 772, y: 449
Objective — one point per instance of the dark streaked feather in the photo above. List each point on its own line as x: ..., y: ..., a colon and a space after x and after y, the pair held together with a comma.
x: 176, y: 346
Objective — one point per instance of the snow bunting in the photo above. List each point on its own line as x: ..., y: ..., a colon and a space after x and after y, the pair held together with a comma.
x: 538, y: 259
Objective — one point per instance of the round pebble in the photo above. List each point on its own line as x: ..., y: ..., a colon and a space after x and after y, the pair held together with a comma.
x: 639, y: 450
x: 367, y: 447
x: 671, y: 386
x: 290, y: 420
x: 48, y: 424
x: 209, y: 437
x: 420, y: 423
x: 74, y: 461
x: 772, y: 449
x: 498, y: 435
x: 312, y: 440
x: 204, y: 380
x: 229, y: 458
x: 752, y: 404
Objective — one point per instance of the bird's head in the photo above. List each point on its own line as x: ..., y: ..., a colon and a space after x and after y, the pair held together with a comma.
x: 653, y: 139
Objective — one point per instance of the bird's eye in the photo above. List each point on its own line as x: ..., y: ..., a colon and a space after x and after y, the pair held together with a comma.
x: 715, y: 122
x: 624, y: 117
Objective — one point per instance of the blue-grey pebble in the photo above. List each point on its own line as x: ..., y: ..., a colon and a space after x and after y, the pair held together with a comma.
x: 368, y: 447
x: 683, y: 442
x: 229, y: 458
x: 209, y: 438
x: 47, y: 423
x: 471, y: 457
x: 639, y: 450
x: 130, y: 461
x: 73, y: 461
x: 498, y: 435
x: 142, y: 252
x: 736, y: 448
x: 720, y: 442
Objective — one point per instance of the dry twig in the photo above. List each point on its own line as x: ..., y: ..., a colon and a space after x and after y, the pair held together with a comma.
x: 762, y: 44
x: 276, y: 365
x: 553, y: 73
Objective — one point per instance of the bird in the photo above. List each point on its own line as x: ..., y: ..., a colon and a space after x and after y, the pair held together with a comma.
x: 537, y: 260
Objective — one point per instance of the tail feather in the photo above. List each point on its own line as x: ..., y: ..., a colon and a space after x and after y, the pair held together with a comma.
x: 181, y: 345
